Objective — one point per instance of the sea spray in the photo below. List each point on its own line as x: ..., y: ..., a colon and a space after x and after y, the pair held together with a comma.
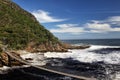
x: 108, y: 57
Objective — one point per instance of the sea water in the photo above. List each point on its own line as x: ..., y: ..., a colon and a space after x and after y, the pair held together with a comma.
x: 101, y: 61
x: 105, y: 53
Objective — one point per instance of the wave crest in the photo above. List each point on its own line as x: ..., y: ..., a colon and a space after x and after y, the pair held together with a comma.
x: 89, y: 55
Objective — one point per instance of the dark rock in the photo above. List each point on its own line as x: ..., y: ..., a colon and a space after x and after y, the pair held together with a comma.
x: 28, y: 59
x: 1, y: 65
x: 32, y: 73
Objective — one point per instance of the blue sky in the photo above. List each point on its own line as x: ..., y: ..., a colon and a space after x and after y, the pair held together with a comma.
x: 77, y: 19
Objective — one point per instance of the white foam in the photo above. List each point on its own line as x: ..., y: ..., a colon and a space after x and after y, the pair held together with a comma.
x: 117, y: 76
x: 37, y: 58
x: 94, y: 47
x: 5, y: 69
x: 114, y: 76
x: 89, y: 57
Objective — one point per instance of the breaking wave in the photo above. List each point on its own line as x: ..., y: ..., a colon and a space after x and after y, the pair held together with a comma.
x: 108, y: 55
x: 89, y: 58
x: 96, y: 53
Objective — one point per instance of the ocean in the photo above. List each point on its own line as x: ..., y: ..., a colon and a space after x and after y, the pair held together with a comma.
x: 101, y: 61
x: 105, y: 42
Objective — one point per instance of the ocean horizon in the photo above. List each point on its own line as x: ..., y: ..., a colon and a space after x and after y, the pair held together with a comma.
x: 110, y: 42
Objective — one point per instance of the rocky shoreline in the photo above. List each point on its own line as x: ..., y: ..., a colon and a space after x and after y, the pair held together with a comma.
x: 49, y: 47
x: 13, y: 74
x: 20, y: 30
x: 5, y: 60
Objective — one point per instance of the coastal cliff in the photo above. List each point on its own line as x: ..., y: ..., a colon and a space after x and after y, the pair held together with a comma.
x: 20, y: 30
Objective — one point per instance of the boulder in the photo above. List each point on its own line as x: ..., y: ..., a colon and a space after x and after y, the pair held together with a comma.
x: 8, y: 61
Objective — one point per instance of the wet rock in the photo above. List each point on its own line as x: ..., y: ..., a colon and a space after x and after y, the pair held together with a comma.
x: 1, y: 65
x: 98, y: 70
x: 28, y: 59
x: 32, y: 73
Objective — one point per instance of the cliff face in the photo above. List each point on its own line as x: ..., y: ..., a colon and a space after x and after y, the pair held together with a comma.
x: 20, y: 30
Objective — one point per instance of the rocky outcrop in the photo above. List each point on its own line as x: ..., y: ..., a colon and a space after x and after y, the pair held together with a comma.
x: 6, y: 60
x: 69, y: 46
x: 50, y: 47
x: 20, y: 30
x: 46, y: 47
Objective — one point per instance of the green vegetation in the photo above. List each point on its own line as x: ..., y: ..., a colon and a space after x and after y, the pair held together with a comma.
x: 18, y: 28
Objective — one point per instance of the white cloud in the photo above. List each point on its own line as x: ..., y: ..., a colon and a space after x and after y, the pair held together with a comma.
x: 116, y: 29
x: 102, y: 26
x: 114, y: 20
x: 99, y: 26
x: 94, y: 26
x: 44, y: 17
x: 68, y: 28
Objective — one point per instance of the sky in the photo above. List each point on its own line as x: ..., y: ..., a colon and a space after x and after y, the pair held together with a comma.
x: 77, y: 19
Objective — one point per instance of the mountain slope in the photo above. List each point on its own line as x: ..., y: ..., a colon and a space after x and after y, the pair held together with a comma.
x: 20, y: 30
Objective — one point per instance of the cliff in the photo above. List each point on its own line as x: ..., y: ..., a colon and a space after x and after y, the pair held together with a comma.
x: 19, y: 29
